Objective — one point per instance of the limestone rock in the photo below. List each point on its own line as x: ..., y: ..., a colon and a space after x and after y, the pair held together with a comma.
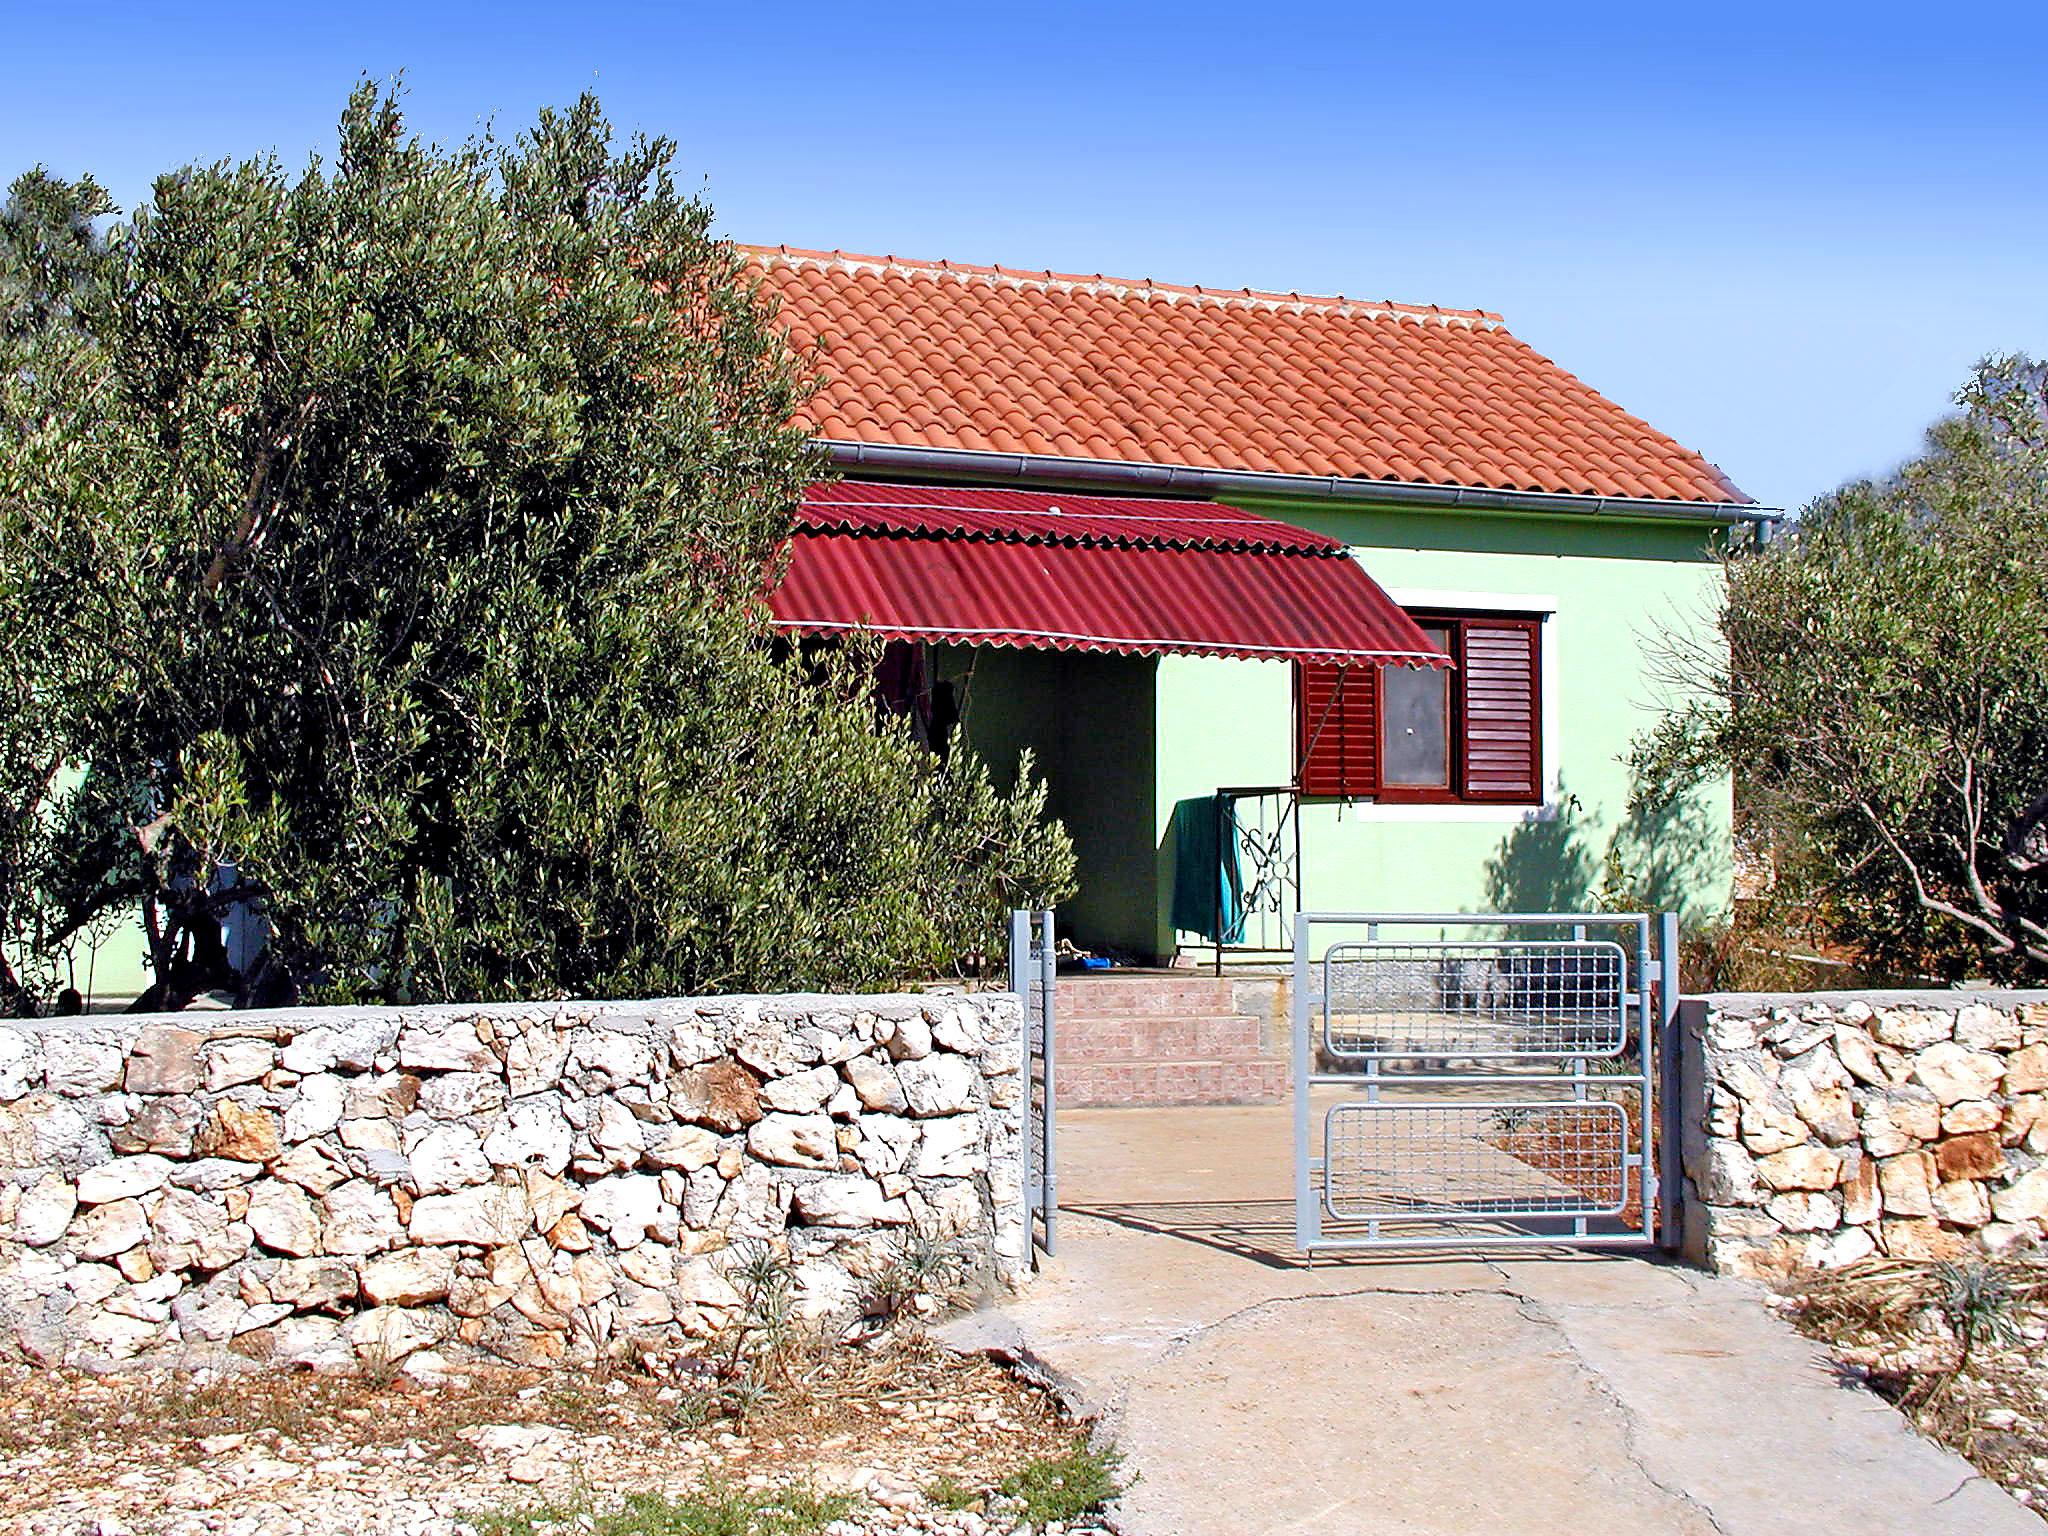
x: 1912, y: 1029
x: 1805, y: 1167
x: 938, y: 1085
x: 46, y: 1209
x: 912, y: 1040
x: 1987, y: 1029
x: 449, y: 1157
x: 802, y: 1093
x: 307, y: 1284
x: 315, y: 1109
x: 1803, y: 1212
x: 2025, y: 1199
x: 165, y: 1059
x: 189, y: 1231
x: 1858, y: 1055
x: 1952, y: 1072
x: 612, y: 1058
x: 840, y: 1200
x: 76, y: 1067
x: 409, y: 1278
x: 876, y: 1083
x: 951, y: 1147
x: 630, y: 1208
x: 353, y: 1045
x: 721, y: 1094
x: 455, y: 1094
x: 123, y: 1179
x: 1975, y: 1155
x: 1962, y: 1203
x: 240, y: 1133
x: 450, y: 1047
x: 361, y: 1219
x: 1921, y: 1240
x: 230, y: 1063
x: 488, y: 1216
x: 313, y: 1167
x: 1970, y: 1115
x: 688, y: 1147
x: 532, y: 1133
x: 1770, y: 1124
x: 167, y: 1125
x: 795, y: 1141
x: 113, y: 1228
x: 283, y: 1219
x: 1907, y: 1183
x: 2026, y: 1071
x: 1862, y: 1201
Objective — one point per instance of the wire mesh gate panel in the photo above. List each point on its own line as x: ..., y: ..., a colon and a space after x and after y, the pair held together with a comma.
x: 1034, y: 970
x: 1473, y: 1080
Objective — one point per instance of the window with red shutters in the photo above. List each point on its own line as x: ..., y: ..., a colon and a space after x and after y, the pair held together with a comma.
x: 1336, y: 726
x: 1413, y: 736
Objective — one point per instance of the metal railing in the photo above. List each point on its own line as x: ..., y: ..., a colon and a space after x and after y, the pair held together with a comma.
x: 1258, y: 840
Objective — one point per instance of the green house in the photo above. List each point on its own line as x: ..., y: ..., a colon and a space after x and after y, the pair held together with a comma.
x: 1096, y: 519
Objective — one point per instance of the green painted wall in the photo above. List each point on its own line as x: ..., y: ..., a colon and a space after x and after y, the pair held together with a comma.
x: 1616, y: 586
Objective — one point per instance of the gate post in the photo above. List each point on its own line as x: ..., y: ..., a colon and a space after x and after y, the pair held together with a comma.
x: 1306, y: 1217
x: 1668, y: 1129
x: 1048, y: 1129
x: 1020, y: 985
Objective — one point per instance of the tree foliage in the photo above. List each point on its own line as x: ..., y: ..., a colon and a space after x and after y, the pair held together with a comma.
x: 384, y: 543
x: 1884, y: 696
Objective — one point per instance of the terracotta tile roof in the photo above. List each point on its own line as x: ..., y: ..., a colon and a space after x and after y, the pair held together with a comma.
x: 990, y: 359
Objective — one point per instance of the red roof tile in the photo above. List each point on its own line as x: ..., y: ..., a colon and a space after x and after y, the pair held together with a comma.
x: 940, y: 355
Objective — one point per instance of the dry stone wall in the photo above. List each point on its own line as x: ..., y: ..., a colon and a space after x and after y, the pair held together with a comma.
x: 533, y: 1181
x: 1826, y: 1128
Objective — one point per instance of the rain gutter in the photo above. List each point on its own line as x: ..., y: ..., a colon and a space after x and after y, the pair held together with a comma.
x: 1210, y: 483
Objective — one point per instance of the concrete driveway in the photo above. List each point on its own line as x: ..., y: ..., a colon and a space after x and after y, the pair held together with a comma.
x: 1518, y: 1394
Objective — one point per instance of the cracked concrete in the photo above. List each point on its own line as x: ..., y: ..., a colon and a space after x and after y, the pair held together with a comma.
x: 1508, y: 1395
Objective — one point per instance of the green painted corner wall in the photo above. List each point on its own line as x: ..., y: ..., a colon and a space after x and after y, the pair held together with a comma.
x: 1090, y: 722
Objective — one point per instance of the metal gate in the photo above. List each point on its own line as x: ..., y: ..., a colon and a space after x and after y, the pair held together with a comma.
x: 1479, y: 1080
x: 1034, y: 969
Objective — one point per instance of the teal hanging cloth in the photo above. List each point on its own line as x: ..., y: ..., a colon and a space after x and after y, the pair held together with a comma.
x: 1205, y: 872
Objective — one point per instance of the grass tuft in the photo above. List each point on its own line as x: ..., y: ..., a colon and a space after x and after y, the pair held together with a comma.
x: 718, y: 1509
x: 1064, y: 1487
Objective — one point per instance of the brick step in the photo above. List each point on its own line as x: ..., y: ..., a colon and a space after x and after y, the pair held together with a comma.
x: 1139, y: 1037
x: 1082, y: 1084
x: 1154, y: 995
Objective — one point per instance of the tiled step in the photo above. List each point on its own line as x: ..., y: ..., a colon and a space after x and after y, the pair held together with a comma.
x: 1139, y: 1037
x: 1081, y: 1084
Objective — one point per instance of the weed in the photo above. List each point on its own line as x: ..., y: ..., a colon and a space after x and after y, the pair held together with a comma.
x: 1062, y: 1487
x: 718, y: 1509
x: 948, y: 1492
x: 920, y: 1267
x: 1979, y: 1306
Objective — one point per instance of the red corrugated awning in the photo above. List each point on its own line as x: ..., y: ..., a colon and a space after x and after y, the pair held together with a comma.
x: 1048, y: 571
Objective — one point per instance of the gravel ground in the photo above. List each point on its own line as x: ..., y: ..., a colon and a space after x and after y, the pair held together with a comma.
x: 1888, y: 1335
x: 246, y: 1454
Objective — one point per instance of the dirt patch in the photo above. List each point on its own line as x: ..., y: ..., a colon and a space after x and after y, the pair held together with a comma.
x: 176, y: 1454
x: 1961, y: 1349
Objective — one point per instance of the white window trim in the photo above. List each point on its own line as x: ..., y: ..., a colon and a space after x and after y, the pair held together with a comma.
x: 1551, y: 724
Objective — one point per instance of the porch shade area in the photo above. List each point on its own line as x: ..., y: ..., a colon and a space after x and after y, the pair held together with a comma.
x: 1048, y: 571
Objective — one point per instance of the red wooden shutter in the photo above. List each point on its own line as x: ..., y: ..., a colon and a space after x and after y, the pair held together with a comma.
x: 1503, y: 748
x: 1336, y: 721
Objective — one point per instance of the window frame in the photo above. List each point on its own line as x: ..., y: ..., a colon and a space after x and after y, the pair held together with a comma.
x: 1455, y: 621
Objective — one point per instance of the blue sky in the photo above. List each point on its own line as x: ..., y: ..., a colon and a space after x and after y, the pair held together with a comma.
x: 1781, y: 233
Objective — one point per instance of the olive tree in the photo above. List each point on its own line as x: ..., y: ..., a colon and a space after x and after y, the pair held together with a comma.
x: 1883, y: 696
x: 388, y: 551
